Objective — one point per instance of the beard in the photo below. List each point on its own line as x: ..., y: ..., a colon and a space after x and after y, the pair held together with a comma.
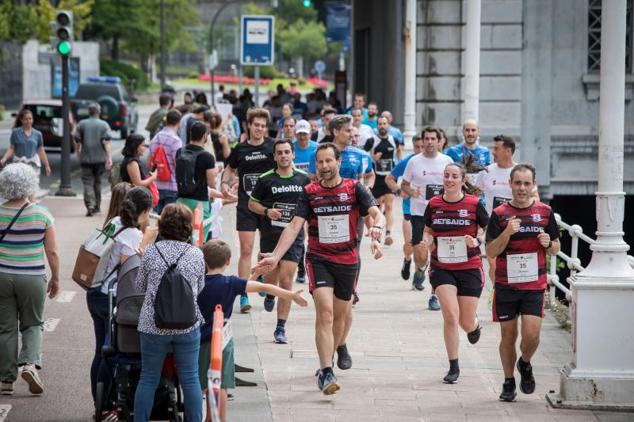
x: 382, y: 132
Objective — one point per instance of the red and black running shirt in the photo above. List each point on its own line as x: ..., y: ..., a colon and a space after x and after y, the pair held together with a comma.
x: 332, y: 215
x: 450, y: 222
x: 513, y: 265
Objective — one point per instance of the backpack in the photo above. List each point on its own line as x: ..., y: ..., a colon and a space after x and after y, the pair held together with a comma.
x: 159, y: 161
x: 174, y: 304
x: 115, y: 175
x: 186, y: 171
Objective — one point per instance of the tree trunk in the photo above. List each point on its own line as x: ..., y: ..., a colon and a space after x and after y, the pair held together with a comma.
x: 115, y: 48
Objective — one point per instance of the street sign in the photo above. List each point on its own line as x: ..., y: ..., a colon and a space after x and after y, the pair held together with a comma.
x: 56, y: 76
x: 320, y: 66
x: 257, y: 40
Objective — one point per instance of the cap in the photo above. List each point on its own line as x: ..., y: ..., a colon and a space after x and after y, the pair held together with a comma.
x: 302, y: 127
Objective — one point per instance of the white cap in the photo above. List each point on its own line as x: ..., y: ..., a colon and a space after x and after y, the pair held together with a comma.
x: 302, y: 127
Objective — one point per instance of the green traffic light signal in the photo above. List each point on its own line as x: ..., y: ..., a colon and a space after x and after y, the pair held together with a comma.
x: 307, y: 3
x: 63, y: 48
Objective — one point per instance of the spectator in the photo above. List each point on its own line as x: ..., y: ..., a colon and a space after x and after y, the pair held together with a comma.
x: 169, y: 140
x: 93, y: 149
x: 287, y: 111
x: 27, y: 145
x: 324, y: 134
x: 187, y: 98
x: 197, y: 115
x: 156, y: 118
x: 300, y: 107
x: 201, y: 98
x: 219, y: 140
x: 132, y: 170
x: 174, y: 228
x: 358, y: 102
x: 22, y: 269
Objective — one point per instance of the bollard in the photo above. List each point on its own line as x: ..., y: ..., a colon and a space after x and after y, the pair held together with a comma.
x: 214, y: 373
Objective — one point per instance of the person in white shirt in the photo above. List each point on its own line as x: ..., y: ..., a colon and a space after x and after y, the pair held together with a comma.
x: 422, y: 181
x: 365, y: 131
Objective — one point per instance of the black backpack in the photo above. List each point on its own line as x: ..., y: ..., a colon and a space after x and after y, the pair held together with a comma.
x: 174, y: 305
x: 186, y: 171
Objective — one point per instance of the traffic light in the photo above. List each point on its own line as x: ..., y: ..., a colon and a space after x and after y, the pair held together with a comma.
x: 307, y: 3
x: 63, y: 31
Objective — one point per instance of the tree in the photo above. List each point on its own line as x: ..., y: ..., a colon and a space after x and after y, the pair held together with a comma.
x: 303, y: 41
x: 115, y: 20
x: 81, y: 9
x: 17, y: 22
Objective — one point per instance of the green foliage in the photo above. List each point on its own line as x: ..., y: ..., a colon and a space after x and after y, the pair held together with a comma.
x: 17, y: 22
x: 125, y: 71
x: 268, y: 72
x: 45, y: 11
x: 303, y: 39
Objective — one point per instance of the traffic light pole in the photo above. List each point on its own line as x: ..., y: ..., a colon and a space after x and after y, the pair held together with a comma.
x: 65, y: 187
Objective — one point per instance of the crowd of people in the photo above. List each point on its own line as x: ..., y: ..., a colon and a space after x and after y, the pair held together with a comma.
x: 313, y: 182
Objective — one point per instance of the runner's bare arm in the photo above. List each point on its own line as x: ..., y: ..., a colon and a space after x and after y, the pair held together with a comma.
x: 211, y: 177
x: 407, y: 188
x: 257, y: 287
x: 378, y: 222
x: 258, y: 208
x: 391, y: 183
x: 368, y: 179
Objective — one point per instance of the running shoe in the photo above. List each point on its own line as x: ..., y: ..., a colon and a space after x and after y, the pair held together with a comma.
x: 527, y: 381
x: 433, y: 304
x: 405, y: 269
x: 245, y: 306
x: 344, y: 360
x: 261, y: 280
x: 6, y: 389
x: 508, y: 390
x: 451, y: 377
x: 29, y: 374
x: 301, y: 277
x: 388, y: 239
x: 419, y: 279
x: 474, y: 335
x: 327, y: 383
x: 269, y: 303
x: 355, y: 298
x: 301, y: 271
x: 280, y: 335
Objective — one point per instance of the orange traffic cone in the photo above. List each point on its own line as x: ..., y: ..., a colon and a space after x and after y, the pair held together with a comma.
x: 214, y: 373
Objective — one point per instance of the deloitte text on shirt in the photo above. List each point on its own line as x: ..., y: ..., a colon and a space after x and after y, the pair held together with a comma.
x: 425, y: 175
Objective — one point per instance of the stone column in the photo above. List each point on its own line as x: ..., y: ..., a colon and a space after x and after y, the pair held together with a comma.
x: 601, y: 373
x: 410, y: 33
x: 472, y: 60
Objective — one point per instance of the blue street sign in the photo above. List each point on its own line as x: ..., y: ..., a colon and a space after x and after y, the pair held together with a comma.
x: 320, y: 66
x: 257, y: 40
x: 56, y: 76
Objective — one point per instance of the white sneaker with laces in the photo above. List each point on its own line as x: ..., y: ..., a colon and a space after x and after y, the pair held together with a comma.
x: 29, y: 374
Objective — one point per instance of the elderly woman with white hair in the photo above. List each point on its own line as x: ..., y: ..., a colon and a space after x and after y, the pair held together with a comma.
x: 27, y: 235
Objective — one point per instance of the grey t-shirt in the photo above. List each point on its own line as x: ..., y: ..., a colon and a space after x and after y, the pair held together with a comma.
x: 26, y: 146
x: 90, y: 133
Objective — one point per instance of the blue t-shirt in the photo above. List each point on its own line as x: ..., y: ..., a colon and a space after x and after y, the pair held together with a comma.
x: 482, y: 154
x: 304, y: 157
x: 26, y: 146
x: 354, y: 163
x: 399, y: 171
x: 219, y: 290
x: 396, y: 134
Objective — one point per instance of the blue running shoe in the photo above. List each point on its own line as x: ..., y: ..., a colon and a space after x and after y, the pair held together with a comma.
x: 269, y: 303
x: 245, y: 306
x: 327, y: 383
x: 419, y: 279
x: 434, y: 304
x: 280, y: 335
x: 261, y: 280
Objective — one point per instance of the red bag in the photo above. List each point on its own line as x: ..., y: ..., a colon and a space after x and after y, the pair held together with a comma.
x: 155, y: 193
x: 159, y: 162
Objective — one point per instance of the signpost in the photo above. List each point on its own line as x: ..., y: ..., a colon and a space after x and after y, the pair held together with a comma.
x: 320, y: 67
x: 257, y: 45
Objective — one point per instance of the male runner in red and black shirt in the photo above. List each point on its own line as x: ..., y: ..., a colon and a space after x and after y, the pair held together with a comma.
x: 332, y: 206
x: 520, y: 234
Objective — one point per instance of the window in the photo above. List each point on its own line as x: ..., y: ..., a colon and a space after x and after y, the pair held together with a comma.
x: 594, y: 36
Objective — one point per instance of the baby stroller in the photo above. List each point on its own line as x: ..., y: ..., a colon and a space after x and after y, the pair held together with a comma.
x: 122, y: 357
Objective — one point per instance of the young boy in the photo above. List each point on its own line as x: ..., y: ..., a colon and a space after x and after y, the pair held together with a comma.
x: 223, y: 290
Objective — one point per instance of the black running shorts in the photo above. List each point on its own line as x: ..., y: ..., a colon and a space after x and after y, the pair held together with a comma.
x: 468, y: 282
x: 246, y: 220
x: 380, y: 188
x: 508, y: 303
x: 340, y: 277
x: 295, y: 253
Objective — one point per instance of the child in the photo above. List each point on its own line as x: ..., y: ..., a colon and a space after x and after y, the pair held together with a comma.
x: 223, y: 290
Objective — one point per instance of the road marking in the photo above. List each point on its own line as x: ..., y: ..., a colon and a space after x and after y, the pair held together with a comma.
x: 65, y: 296
x: 50, y: 324
x: 4, y: 411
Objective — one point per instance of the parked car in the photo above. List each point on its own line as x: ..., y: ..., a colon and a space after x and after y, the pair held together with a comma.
x: 117, y: 107
x: 47, y: 118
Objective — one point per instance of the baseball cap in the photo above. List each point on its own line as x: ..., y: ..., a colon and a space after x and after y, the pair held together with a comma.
x: 302, y: 127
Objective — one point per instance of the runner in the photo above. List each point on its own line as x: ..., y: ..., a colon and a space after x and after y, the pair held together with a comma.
x: 470, y: 153
x: 520, y: 234
x: 452, y: 220
x: 324, y: 134
x: 382, y: 149
x: 250, y: 159
x: 365, y: 131
x: 275, y: 197
x: 423, y: 180
x: 392, y: 182
x: 332, y: 206
x: 394, y: 132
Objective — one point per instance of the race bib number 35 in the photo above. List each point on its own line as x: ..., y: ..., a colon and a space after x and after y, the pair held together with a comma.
x: 333, y: 229
x: 522, y: 267
x: 452, y: 250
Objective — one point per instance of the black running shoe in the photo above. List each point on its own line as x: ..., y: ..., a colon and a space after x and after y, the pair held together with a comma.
x: 344, y: 360
x: 527, y: 381
x: 508, y: 390
x: 327, y: 383
x: 474, y: 335
x: 419, y: 279
x: 451, y: 377
x: 405, y: 269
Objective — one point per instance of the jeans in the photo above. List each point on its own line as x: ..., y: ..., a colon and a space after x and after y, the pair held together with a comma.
x: 166, y: 197
x: 91, y: 178
x: 153, y: 350
x: 98, y: 307
x: 21, y: 308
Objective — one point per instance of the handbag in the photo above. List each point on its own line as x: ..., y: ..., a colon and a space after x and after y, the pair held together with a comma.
x: 155, y: 193
x: 15, y: 218
x: 93, y: 257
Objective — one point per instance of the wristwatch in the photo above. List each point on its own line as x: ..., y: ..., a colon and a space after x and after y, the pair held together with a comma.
x: 266, y: 212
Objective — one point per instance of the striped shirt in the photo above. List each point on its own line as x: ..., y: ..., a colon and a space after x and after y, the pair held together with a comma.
x: 22, y: 249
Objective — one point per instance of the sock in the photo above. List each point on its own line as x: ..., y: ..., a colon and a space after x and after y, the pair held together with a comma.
x: 453, y: 365
x: 281, y: 323
x: 327, y: 370
x: 270, y: 296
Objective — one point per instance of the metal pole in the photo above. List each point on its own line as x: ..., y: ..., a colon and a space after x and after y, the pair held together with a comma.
x: 472, y: 60
x: 257, y: 86
x: 162, y: 59
x: 212, y: 74
x: 239, y: 79
x: 64, y: 186
x: 410, y: 73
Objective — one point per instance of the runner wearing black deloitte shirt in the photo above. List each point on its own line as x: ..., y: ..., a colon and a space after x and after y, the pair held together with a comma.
x: 520, y: 234
x: 275, y: 197
x: 382, y: 148
x: 250, y: 159
x: 452, y: 220
x: 332, y: 206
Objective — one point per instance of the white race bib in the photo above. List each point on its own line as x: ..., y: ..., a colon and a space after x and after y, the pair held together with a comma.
x: 227, y: 333
x: 249, y: 181
x: 522, y: 267
x: 333, y: 228
x: 452, y: 250
x: 288, y: 212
